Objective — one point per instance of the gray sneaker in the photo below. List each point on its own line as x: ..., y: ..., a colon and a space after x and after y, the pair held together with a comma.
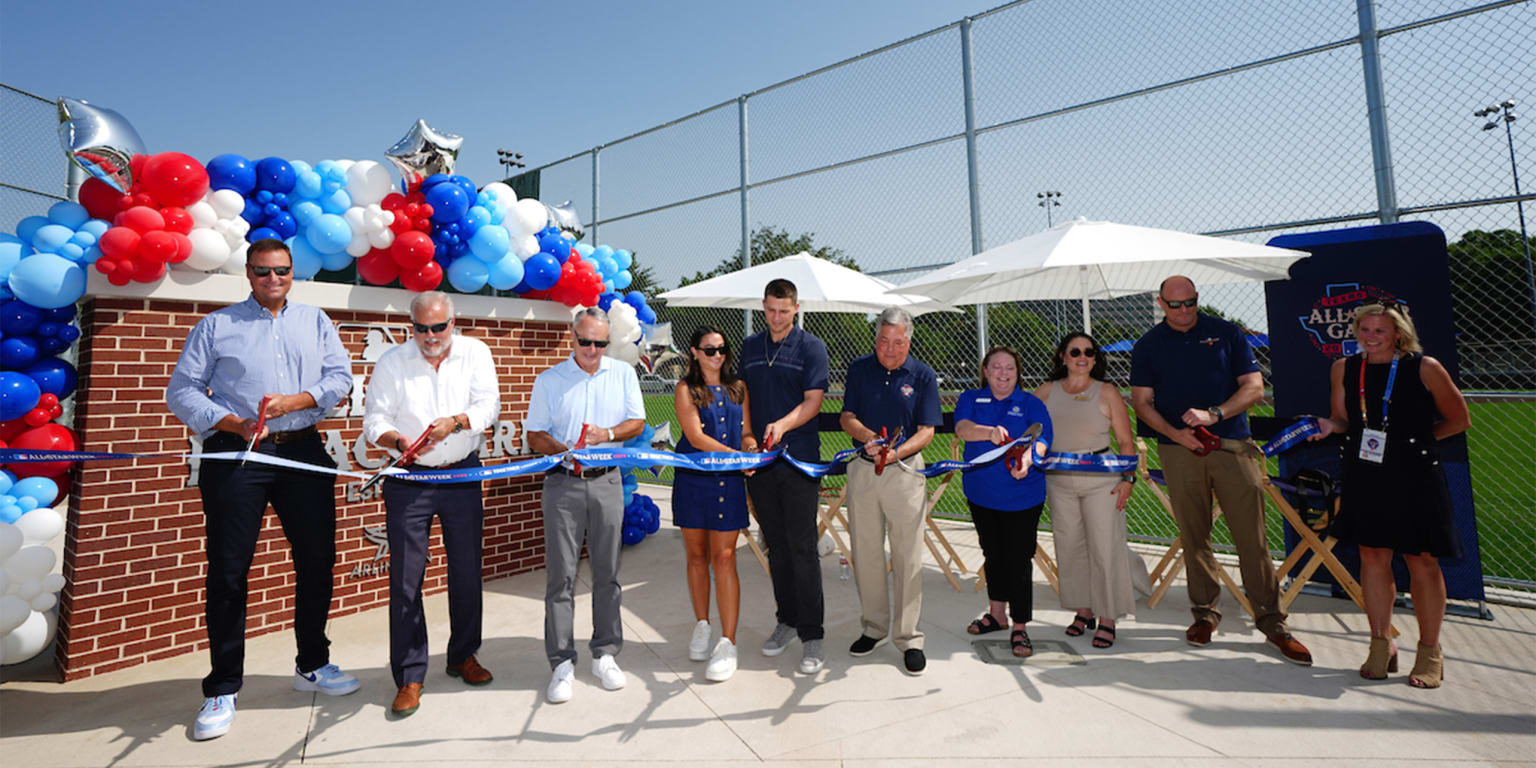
x: 812, y: 659
x: 782, y: 636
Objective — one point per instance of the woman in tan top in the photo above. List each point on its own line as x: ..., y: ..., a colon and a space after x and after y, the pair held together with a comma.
x: 1088, y: 509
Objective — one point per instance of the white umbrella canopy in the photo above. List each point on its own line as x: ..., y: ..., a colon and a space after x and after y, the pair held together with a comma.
x: 1098, y: 260
x: 822, y: 285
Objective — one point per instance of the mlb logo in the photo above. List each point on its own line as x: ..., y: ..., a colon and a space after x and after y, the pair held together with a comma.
x: 1373, y: 443
x: 906, y: 390
x: 1350, y: 347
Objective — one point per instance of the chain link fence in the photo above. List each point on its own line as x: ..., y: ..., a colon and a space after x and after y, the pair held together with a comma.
x: 1241, y: 120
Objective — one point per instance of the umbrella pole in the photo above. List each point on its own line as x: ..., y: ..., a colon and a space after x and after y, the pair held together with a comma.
x: 1082, y: 277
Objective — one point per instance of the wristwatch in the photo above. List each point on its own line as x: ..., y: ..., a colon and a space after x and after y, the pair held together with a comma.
x: 1215, y: 411
x: 457, y: 427
x: 1128, y: 477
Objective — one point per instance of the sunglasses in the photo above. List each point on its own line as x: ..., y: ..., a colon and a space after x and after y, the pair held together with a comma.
x: 424, y: 328
x: 1080, y: 352
x: 600, y: 344
x: 264, y: 271
x: 1182, y: 304
x: 711, y: 351
x: 1391, y: 304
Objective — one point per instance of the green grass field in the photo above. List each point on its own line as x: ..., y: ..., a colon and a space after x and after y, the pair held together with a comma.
x: 1504, y: 494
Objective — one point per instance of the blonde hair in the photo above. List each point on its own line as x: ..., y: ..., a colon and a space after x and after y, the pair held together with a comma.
x: 1407, y: 336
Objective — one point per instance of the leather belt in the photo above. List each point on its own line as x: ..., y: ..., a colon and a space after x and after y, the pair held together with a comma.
x: 591, y: 473
x: 292, y: 436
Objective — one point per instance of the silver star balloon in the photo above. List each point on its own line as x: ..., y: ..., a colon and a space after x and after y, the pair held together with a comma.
x: 100, y: 140
x: 423, y: 151
x: 565, y: 217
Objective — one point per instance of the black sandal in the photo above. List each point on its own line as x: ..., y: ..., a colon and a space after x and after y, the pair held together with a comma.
x: 1019, y: 639
x: 1080, y: 625
x: 1104, y: 642
x: 987, y: 623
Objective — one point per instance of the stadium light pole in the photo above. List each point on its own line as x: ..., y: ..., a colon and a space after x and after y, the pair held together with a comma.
x: 1504, y: 112
x: 1048, y: 200
x: 509, y: 160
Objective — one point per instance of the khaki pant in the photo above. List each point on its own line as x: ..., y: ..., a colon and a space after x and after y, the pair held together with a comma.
x: 1237, y: 481
x: 1092, y: 561
x: 891, y: 501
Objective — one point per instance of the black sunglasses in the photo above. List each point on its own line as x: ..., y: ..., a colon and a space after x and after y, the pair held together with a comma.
x: 1182, y: 304
x: 711, y: 351
x: 592, y: 343
x: 424, y: 328
x: 264, y: 271
x: 1080, y: 352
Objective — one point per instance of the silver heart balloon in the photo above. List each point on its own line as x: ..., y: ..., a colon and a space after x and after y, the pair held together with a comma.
x: 423, y: 151
x: 100, y: 140
x: 565, y: 217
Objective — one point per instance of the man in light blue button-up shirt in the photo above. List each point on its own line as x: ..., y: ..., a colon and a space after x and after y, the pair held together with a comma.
x: 594, y: 397
x: 290, y: 354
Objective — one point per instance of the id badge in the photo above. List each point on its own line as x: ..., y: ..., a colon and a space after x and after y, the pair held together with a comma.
x: 1373, y: 445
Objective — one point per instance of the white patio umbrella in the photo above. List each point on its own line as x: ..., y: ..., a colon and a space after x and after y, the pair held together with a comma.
x: 1098, y: 260
x: 822, y: 285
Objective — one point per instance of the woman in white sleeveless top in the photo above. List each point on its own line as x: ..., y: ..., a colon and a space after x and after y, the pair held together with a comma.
x: 1088, y: 509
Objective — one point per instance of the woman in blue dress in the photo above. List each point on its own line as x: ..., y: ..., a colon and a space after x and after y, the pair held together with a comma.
x: 711, y: 508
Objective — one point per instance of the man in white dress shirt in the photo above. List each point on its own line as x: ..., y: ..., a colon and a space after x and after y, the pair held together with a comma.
x: 446, y: 384
x: 597, y: 398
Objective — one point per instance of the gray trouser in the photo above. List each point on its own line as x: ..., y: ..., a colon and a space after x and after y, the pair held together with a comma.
x: 574, y: 508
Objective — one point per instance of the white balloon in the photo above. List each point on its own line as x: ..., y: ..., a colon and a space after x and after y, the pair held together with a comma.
x: 527, y: 217
x: 29, y: 639
x: 359, y: 247
x: 526, y: 246
x: 29, y: 589
x: 30, y: 563
x: 40, y: 525
x: 368, y: 182
x: 202, y: 214
x: 381, y: 238
x: 53, y: 582
x: 236, y: 263
x: 13, y: 611
x: 227, y: 203
x: 44, y: 602
x: 11, y: 540
x: 505, y: 197
x: 5, y: 584
x: 209, y: 250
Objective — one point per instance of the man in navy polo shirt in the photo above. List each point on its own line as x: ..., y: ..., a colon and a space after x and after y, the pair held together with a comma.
x: 1194, y: 370
x: 786, y: 371
x: 894, y: 391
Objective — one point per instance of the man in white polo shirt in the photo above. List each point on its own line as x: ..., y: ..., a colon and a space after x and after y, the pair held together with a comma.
x: 595, y: 401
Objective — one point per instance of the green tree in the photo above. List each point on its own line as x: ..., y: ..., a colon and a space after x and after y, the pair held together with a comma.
x: 1490, y: 288
x: 770, y: 244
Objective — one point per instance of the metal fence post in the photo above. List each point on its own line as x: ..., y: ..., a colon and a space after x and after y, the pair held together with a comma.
x: 973, y: 187
x: 1376, y: 109
x: 746, y: 232
x: 596, y: 185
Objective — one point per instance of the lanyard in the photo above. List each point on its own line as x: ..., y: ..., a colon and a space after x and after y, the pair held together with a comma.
x: 1386, y: 395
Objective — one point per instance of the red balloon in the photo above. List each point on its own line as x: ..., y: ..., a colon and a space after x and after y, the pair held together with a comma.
x: 177, y: 220
x: 10, y: 429
x: 158, y: 246
x: 37, y: 417
x: 421, y: 224
x: 141, y: 219
x: 48, y: 437
x: 427, y: 278
x: 411, y: 250
x: 378, y: 267
x: 173, y: 179
x: 118, y: 243
x: 47, y: 400
x: 146, y: 271
x: 136, y: 164
x: 536, y: 295
x: 101, y: 201
x: 426, y: 210
x: 183, y: 248
x: 416, y: 197
x: 393, y: 201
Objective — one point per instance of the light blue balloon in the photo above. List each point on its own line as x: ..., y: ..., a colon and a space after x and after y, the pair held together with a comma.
x: 50, y: 237
x: 584, y: 249
x: 7, y: 500
x: 477, y: 217
x: 10, y: 254
x: 328, y: 233
x: 306, y: 260
x: 43, y: 490
x: 336, y: 202
x: 602, y: 250
x: 622, y: 279
x: 307, y: 185
x: 624, y: 259
x: 95, y: 227
x: 299, y: 166
x: 305, y: 212
x: 332, y: 174
x: 90, y: 256
x: 336, y: 262
x: 7, y: 479
x: 10, y: 514
x: 83, y: 239
x: 467, y: 275
x: 607, y: 266
x: 29, y: 226
x: 47, y: 280
x: 27, y: 503
x: 609, y: 287
x: 71, y: 251
x: 506, y: 273
x: 490, y: 243
x: 69, y: 214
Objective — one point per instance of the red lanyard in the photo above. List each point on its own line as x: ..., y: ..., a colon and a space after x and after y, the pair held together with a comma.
x: 1386, y: 395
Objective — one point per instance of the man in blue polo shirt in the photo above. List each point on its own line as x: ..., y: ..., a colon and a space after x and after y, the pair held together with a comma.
x: 1194, y: 370
x: 786, y: 371
x: 894, y: 391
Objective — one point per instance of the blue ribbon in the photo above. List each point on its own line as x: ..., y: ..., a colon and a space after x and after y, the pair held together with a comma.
x: 1291, y: 436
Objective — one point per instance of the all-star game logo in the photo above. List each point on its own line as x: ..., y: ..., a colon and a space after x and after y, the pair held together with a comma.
x: 1328, y: 324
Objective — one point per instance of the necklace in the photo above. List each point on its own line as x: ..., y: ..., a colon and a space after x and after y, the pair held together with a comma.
x: 772, y: 360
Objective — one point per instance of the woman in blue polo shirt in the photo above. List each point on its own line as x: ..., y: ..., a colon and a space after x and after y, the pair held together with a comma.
x: 1005, y: 508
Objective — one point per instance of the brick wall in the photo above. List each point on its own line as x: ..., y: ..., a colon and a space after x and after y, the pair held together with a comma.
x: 134, y: 546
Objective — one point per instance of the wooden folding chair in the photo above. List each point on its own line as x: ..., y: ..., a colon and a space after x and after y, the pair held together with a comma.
x: 757, y: 549
x: 1320, y: 549
x: 1043, y: 561
x: 1173, y: 559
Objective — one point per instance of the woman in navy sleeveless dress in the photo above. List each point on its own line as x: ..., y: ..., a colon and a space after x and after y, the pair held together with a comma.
x: 711, y: 507
x: 1394, y: 497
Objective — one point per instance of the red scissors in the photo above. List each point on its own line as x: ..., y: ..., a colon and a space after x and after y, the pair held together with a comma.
x: 261, y: 423
x: 885, y: 450
x: 404, y: 459
x: 1015, y: 455
x: 1208, y: 441
x: 581, y: 442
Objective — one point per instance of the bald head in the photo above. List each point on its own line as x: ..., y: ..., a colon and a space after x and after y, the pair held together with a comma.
x: 1177, y: 283
x: 1178, y: 299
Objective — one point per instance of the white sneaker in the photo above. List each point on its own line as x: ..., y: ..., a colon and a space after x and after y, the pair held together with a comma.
x: 722, y: 664
x: 698, y: 647
x: 559, y: 690
x: 215, y: 718
x: 329, y: 680
x: 813, y: 658
x: 606, y: 669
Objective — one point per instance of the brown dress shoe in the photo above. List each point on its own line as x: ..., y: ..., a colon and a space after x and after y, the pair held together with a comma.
x: 471, y: 671
x: 407, y: 700
x: 1199, y: 633
x: 1290, y: 648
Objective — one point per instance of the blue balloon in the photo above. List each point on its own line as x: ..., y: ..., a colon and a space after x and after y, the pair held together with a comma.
x: 252, y: 213
x: 19, y: 318
x: 262, y: 233
x: 506, y: 273
x: 584, y: 249
x: 11, y: 513
x: 622, y: 279
x: 467, y: 274
x: 432, y: 181
x: 284, y: 224
x: 69, y: 214
x: 476, y: 218
x: 232, y: 172
x: 522, y: 286
x: 606, y: 300
x: 448, y: 201
x: 607, y: 267
x: 68, y: 334
x: 328, y: 233
x: 307, y: 261
x: 40, y: 489
x: 336, y: 262
x: 624, y: 259
x: 646, y: 315
x: 541, y: 271
x: 337, y: 201
x: 49, y: 346
x: 306, y: 212
x: 635, y: 299
x: 308, y: 185
x: 6, y: 481
x: 632, y: 535
x: 27, y: 503
x: 54, y: 376
x: 490, y: 243
x: 274, y: 174
x: 94, y: 226
x: 71, y: 251
x: 10, y: 255
x: 18, y: 395
x: 603, y: 250
x: 470, y: 193
x: 18, y: 352
x: 47, y: 280
x: 28, y: 227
